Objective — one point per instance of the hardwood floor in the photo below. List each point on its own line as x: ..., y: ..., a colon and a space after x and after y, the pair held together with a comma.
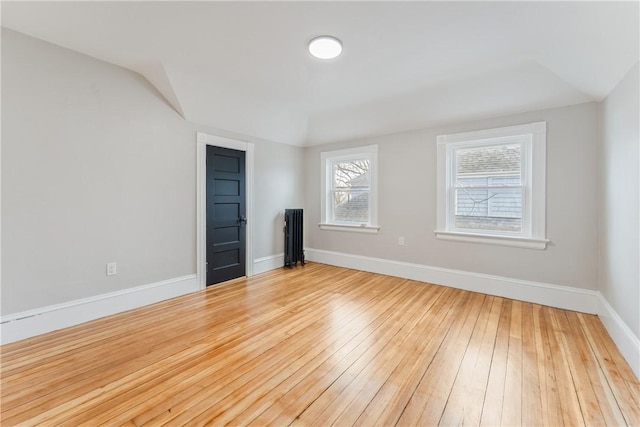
x: 321, y: 345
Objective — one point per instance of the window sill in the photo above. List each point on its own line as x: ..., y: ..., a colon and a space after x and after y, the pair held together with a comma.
x: 350, y: 228
x: 489, y: 239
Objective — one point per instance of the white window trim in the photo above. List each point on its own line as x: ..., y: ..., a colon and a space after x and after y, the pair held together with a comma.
x: 536, y: 177
x: 326, y: 158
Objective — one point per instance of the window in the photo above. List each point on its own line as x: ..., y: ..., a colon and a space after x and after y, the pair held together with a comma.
x: 349, y: 199
x: 491, y: 186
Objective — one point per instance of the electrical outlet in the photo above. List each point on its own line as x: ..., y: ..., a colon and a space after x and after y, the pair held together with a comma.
x: 111, y: 269
x: 401, y: 241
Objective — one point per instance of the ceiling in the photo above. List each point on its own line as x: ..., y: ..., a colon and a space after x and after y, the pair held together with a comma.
x: 243, y: 66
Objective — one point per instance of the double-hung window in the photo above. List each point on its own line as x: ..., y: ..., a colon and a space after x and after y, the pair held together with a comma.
x: 491, y: 186
x: 349, y: 189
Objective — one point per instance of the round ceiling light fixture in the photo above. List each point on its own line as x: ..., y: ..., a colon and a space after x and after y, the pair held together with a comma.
x: 325, y: 47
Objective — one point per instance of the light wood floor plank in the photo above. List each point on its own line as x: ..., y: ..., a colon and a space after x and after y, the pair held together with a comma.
x: 512, y: 400
x: 229, y: 335
x: 303, y: 394
x: 549, y: 398
x: 271, y: 363
x: 256, y: 406
x: 185, y: 324
x: 568, y: 394
x: 616, y: 371
x: 389, y: 403
x: 239, y: 346
x: 586, y: 364
x: 531, y: 390
x: 494, y: 394
x: 322, y: 345
x: 345, y: 332
x: 591, y: 412
x: 345, y: 399
x: 464, y: 405
x: 429, y: 399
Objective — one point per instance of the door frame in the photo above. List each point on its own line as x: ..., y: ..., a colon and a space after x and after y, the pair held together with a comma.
x: 203, y: 140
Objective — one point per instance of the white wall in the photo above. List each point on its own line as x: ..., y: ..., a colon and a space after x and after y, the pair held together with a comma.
x: 96, y: 167
x: 407, y: 197
x: 620, y: 201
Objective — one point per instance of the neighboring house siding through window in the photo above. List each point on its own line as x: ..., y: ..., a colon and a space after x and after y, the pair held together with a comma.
x: 489, y: 194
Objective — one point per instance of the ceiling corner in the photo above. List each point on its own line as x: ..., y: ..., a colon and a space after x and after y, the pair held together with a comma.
x: 156, y: 74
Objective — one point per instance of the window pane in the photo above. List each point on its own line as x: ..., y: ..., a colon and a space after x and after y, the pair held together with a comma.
x: 351, y: 206
x: 472, y: 201
x: 491, y: 209
x: 351, y: 191
x: 495, y: 159
x: 488, y: 195
x: 505, y: 202
x: 351, y: 174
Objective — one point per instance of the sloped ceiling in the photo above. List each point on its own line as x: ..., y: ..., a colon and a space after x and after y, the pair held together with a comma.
x: 244, y: 67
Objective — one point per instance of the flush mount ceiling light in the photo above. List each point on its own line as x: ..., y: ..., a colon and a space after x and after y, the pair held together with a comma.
x: 325, y: 47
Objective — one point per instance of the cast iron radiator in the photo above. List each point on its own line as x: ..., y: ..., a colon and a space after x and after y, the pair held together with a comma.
x: 293, y: 246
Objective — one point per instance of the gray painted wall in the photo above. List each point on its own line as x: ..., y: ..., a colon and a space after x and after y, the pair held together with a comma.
x: 619, y: 218
x: 96, y: 167
x: 278, y: 186
x: 407, y: 197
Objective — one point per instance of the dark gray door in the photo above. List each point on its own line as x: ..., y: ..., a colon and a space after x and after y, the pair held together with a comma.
x: 226, y: 214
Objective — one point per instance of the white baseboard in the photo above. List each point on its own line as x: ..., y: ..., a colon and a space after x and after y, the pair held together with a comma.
x: 261, y: 265
x: 621, y: 334
x: 26, y: 324
x: 566, y: 297
x: 19, y: 326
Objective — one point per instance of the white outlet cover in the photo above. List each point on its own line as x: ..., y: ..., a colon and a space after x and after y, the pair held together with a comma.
x: 111, y: 269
